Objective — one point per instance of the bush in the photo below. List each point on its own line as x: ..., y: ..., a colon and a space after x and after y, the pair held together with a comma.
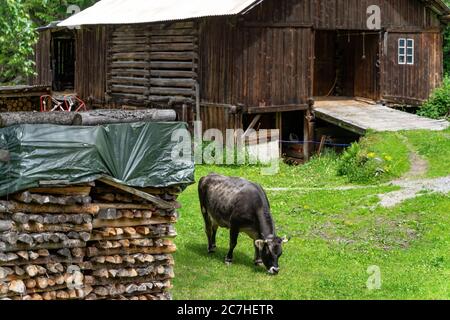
x: 377, y: 157
x: 362, y: 166
x: 438, y: 106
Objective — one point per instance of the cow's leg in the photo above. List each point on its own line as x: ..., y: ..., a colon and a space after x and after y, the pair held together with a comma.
x: 234, y: 233
x: 213, y: 246
x: 208, y: 230
x: 258, y: 260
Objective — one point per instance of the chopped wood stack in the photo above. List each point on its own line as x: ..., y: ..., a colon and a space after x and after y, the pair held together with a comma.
x: 21, y: 98
x: 94, y: 241
x: 18, y: 104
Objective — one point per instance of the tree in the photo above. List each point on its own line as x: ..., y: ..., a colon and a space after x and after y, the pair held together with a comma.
x: 18, y: 20
x: 43, y: 12
x: 16, y: 42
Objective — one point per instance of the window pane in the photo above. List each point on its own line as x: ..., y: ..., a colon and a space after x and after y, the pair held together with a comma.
x: 401, y: 42
x: 401, y: 51
x: 410, y: 51
x: 401, y: 59
x: 410, y: 43
x: 410, y: 60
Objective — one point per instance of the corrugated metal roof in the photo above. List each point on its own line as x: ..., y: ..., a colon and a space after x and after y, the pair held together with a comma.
x: 144, y: 11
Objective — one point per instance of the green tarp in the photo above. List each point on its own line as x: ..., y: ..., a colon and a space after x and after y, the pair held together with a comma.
x: 137, y: 155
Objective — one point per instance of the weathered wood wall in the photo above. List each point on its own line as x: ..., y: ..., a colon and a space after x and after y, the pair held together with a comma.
x: 218, y: 117
x: 343, y: 14
x: 90, y: 68
x: 152, y: 63
x: 407, y: 83
x: 254, y: 65
x: 267, y: 56
x: 42, y: 58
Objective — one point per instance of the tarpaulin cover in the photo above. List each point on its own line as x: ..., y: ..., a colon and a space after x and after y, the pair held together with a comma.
x: 137, y: 155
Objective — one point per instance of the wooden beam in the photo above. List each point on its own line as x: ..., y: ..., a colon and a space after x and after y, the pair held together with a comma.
x: 276, y: 25
x: 157, y: 201
x: 279, y: 126
x: 275, y: 109
x: 308, y: 131
x: 340, y: 123
x: 252, y: 124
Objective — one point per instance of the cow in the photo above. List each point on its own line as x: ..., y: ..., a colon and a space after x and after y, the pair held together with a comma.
x: 241, y: 206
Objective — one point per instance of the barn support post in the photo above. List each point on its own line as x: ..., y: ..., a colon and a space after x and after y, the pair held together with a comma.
x: 308, y: 131
x: 279, y: 126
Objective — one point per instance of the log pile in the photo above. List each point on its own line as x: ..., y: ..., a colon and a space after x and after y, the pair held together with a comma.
x: 87, y: 242
x: 19, y: 104
x: 21, y: 98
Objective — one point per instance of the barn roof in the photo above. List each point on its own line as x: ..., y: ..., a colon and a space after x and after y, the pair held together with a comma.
x: 145, y: 11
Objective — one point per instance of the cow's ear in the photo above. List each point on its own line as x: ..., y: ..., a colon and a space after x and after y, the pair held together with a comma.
x: 259, y: 244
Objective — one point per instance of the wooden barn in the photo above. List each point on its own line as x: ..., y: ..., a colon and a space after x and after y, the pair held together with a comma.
x: 243, y: 63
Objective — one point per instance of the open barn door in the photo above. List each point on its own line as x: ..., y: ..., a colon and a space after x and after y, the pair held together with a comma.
x: 346, y: 64
x: 63, y: 60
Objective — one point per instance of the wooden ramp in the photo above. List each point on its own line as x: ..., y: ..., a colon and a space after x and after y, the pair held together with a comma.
x: 358, y: 116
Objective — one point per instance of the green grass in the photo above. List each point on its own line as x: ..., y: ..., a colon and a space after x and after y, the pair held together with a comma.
x: 336, y: 236
x: 434, y: 147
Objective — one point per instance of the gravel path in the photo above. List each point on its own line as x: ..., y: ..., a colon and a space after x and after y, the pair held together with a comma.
x: 412, y: 189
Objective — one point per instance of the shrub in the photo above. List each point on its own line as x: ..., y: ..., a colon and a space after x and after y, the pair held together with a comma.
x: 438, y: 106
x: 361, y: 166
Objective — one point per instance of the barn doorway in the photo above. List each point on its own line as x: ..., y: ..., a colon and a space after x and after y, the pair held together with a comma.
x: 346, y: 64
x: 63, y: 60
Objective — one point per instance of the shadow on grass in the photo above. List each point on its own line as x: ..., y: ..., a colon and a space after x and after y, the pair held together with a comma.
x: 239, y: 258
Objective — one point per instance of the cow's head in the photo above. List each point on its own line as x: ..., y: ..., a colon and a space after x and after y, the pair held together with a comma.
x: 271, y: 251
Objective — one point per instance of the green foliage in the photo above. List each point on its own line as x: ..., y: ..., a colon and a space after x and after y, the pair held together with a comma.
x: 376, y: 158
x: 16, y: 41
x: 438, y: 105
x: 43, y: 12
x: 18, y: 19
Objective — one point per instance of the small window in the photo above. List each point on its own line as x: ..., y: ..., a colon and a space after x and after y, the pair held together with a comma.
x: 406, y: 51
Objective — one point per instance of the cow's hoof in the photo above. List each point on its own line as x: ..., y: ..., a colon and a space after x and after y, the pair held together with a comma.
x: 258, y: 263
x: 228, y: 262
x: 212, y: 249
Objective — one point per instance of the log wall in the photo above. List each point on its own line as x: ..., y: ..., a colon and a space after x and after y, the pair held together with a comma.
x: 152, y: 63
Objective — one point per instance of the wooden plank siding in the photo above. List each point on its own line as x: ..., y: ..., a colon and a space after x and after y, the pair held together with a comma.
x: 254, y: 66
x: 343, y: 14
x: 407, y: 83
x: 266, y: 57
x: 42, y: 59
x: 90, y: 68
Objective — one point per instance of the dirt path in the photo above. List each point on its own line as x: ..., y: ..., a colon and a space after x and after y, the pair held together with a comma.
x: 412, y: 184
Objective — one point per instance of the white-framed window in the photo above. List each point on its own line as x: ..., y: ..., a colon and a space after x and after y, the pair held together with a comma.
x: 406, y: 51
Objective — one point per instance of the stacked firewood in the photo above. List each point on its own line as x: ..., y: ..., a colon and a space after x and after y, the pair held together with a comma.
x: 43, y: 235
x: 97, y: 241
x: 19, y: 104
